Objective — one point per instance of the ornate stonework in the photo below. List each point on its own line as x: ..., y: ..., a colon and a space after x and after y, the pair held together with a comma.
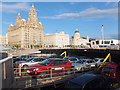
x: 26, y: 34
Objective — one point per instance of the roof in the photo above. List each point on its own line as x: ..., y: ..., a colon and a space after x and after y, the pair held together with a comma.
x: 84, y: 78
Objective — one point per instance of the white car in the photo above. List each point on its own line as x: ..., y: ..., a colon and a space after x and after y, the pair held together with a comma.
x: 29, y: 62
x: 99, y: 61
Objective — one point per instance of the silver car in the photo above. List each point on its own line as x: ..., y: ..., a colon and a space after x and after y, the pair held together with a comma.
x: 29, y: 62
x: 84, y: 64
x: 72, y: 59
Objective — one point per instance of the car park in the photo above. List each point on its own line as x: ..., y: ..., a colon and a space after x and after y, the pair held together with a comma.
x: 29, y: 62
x: 72, y: 59
x: 56, y: 65
x: 89, y: 82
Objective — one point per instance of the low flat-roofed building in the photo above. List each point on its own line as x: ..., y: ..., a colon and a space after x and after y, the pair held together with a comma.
x: 56, y: 40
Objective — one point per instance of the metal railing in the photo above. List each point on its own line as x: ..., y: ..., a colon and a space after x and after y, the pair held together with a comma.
x: 44, y: 77
x: 26, y: 80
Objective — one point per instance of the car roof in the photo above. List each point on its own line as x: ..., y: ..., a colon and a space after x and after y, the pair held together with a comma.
x: 84, y: 79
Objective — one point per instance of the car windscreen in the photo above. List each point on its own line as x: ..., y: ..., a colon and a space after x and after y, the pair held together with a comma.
x: 79, y: 61
x: 72, y: 59
x: 45, y: 62
x: 28, y: 60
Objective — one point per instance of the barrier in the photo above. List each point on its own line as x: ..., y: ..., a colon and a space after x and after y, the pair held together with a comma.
x: 6, y: 73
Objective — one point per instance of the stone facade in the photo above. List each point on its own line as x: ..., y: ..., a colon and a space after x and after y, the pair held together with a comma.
x: 3, y: 39
x: 78, y: 42
x: 56, y: 40
x: 26, y: 34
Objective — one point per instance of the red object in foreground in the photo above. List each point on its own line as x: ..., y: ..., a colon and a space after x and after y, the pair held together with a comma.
x: 51, y: 65
x: 112, y: 70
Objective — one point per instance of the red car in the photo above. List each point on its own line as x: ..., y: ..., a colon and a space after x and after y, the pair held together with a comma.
x: 112, y: 70
x: 50, y: 65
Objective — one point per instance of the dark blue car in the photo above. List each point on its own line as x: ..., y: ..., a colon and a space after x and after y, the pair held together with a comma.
x: 89, y: 82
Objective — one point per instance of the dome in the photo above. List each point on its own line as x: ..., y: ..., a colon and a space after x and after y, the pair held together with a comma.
x: 76, y: 31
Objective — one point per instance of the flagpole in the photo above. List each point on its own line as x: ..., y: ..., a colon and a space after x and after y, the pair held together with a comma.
x: 102, y: 30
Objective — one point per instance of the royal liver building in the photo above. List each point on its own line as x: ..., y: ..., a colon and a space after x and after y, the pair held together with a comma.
x: 26, y: 34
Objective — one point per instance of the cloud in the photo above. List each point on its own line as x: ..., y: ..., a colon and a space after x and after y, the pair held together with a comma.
x: 13, y: 8
x: 88, y: 13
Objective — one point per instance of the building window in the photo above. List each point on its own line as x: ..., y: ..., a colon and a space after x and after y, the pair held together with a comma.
x: 106, y: 42
x: 112, y: 41
x: 97, y: 42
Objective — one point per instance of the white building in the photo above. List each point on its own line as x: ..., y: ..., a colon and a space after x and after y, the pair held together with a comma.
x: 78, y: 41
x: 104, y: 43
x: 56, y: 40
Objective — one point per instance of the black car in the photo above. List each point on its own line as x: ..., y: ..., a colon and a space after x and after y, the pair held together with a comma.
x: 21, y: 58
x: 89, y: 82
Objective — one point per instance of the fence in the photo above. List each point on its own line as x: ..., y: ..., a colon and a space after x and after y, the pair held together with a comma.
x: 43, y: 78
x: 25, y: 80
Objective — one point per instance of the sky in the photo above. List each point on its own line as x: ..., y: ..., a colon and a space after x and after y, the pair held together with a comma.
x: 87, y: 17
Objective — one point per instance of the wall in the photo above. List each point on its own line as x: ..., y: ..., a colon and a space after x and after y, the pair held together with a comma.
x: 6, y: 73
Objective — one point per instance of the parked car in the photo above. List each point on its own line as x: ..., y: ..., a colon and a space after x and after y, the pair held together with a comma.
x: 99, y: 61
x: 21, y: 58
x: 29, y: 62
x: 112, y: 70
x: 90, y: 62
x: 89, y: 82
x: 72, y: 59
x: 81, y: 65
x: 54, y: 56
x: 56, y: 65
